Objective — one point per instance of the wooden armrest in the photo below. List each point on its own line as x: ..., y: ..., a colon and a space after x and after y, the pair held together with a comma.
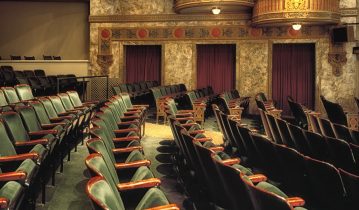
x: 203, y: 139
x: 127, y: 138
x: 183, y: 118
x: 165, y: 207
x: 197, y: 132
x: 4, y: 203
x: 141, y: 105
x: 52, y: 125
x: 127, y: 130
x: 57, y: 119
x: 146, y: 183
x: 67, y: 113
x: 42, y: 132
x: 131, y: 112
x: 12, y: 176
x: 33, y: 156
x: 186, y: 111
x: 184, y: 115
x: 295, y: 201
x: 231, y: 161
x: 217, y: 149
x: 129, y: 117
x: 134, y: 164
x: 126, y: 149
x: 188, y: 124
x: 257, y: 178
x: 128, y: 123
x: 32, y: 142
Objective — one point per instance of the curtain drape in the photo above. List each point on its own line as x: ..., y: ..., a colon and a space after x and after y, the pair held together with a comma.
x: 216, y: 66
x: 143, y: 63
x: 293, y: 74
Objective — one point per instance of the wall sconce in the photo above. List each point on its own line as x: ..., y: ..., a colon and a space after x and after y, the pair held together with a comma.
x: 297, y: 26
x: 216, y: 10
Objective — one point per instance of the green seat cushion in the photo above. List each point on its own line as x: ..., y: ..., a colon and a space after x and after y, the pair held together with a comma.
x: 41, y: 150
x: 30, y: 168
x: 13, y: 192
x: 134, y: 156
x: 244, y: 170
x: 271, y: 188
x: 199, y: 135
x: 134, y: 143
x: 142, y: 173
x: 208, y: 144
x: 153, y: 197
x: 194, y: 128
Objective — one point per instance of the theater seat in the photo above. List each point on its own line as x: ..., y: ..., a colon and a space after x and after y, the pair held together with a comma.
x: 11, y: 95
x: 24, y: 92
x: 11, y: 195
x: 103, y: 196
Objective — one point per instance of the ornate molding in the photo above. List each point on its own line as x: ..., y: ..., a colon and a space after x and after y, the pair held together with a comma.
x: 282, y: 12
x: 349, y: 12
x: 204, y: 6
x: 166, y: 18
x: 337, y: 58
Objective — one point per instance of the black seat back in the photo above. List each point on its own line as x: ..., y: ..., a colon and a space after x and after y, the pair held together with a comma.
x: 298, y: 113
x: 334, y: 111
x: 342, y: 132
x: 299, y: 139
x: 318, y: 146
x: 325, y: 127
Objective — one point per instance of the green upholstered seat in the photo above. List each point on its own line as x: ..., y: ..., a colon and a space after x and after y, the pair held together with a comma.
x: 101, y: 147
x: 7, y: 145
x: 76, y: 101
x: 19, y: 134
x: 111, y: 135
x: 13, y: 192
x: 10, y: 95
x: 24, y: 92
x: 3, y: 101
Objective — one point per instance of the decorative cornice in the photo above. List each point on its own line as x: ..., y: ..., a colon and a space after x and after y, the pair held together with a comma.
x: 166, y: 18
x: 349, y: 12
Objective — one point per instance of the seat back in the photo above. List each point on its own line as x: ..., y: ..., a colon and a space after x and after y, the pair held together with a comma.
x: 50, y: 110
x: 284, y: 133
x: 326, y: 127
x: 264, y: 200
x: 40, y: 72
x: 66, y: 102
x: 267, y: 155
x: 334, y: 111
x: 318, y: 146
x: 341, y: 154
x: 29, y: 73
x: 351, y: 185
x: 237, y: 137
x: 15, y: 57
x: 40, y: 112
x: 265, y: 123
x: 248, y: 144
x: 326, y: 184
x: 10, y: 95
x: 298, y: 113
x: 293, y: 168
x: 75, y: 98
x: 29, y: 118
x: 342, y: 132
x: 237, y: 193
x: 58, y: 106
x: 3, y: 101
x: 8, y: 75
x: 15, y: 127
x: 7, y: 147
x: 314, y: 123
x: 299, y: 139
x: 355, y: 150
x: 127, y: 100
x: 274, y: 129
x: 24, y: 92
x: 101, y: 134
x: 98, y: 147
x: 216, y: 189
x: 102, y: 195
x: 29, y: 57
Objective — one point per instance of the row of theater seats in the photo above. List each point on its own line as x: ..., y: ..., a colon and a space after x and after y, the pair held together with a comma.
x: 232, y: 103
x: 40, y: 83
x: 45, y: 57
x: 35, y: 136
x: 215, y: 179
x: 121, y: 178
x: 322, y: 185
x: 139, y: 92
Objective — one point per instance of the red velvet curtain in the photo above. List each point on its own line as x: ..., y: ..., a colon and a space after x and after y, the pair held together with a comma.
x: 293, y: 74
x: 143, y: 63
x: 216, y: 65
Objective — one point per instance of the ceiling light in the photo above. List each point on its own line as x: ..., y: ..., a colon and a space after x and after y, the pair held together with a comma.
x: 297, y: 26
x: 216, y: 10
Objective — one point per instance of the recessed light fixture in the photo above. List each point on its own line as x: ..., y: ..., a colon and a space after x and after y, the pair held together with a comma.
x: 297, y: 26
x: 216, y: 10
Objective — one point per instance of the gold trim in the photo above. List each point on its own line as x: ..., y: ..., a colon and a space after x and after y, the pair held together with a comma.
x: 349, y: 12
x: 190, y: 4
x: 166, y: 18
